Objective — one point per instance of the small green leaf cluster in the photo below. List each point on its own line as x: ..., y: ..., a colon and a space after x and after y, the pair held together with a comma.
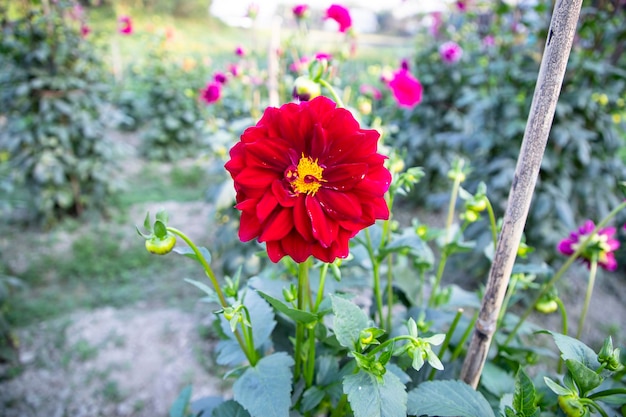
x: 53, y: 96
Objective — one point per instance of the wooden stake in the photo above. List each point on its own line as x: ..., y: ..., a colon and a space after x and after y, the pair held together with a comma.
x: 551, y: 73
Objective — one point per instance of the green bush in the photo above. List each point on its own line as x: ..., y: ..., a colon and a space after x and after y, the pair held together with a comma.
x: 477, y: 109
x: 52, y: 97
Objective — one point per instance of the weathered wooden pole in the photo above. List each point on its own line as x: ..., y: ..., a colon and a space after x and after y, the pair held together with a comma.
x: 551, y: 73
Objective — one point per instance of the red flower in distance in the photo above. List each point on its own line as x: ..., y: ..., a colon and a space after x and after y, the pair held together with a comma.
x: 600, y: 248
x: 300, y: 11
x: 125, y: 25
x: 211, y: 93
x: 341, y: 15
x: 308, y: 179
x: 406, y: 89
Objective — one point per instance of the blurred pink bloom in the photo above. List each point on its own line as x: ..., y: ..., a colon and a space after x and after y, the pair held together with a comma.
x: 234, y: 70
x: 125, y: 26
x: 323, y: 55
x: 77, y: 12
x: 239, y: 51
x: 253, y: 11
x: 299, y: 65
x: 211, y: 93
x: 450, y: 52
x: 406, y: 89
x: 370, y: 90
x: 600, y: 247
x: 220, y: 78
x: 300, y: 11
x: 436, y: 23
x: 461, y: 5
x: 341, y: 15
x: 84, y: 30
x: 489, y: 41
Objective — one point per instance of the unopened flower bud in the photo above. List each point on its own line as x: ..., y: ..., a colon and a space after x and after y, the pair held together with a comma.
x: 610, y: 357
x: 305, y: 89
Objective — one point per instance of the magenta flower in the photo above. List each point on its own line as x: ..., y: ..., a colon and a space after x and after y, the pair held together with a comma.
x: 300, y: 11
x: 220, y: 78
x: 461, y: 5
x: 369, y: 90
x: 125, y: 26
x: 489, y: 41
x: 406, y: 89
x: 84, y: 30
x: 211, y: 93
x: 234, y: 70
x: 435, y: 24
x: 450, y: 52
x: 239, y: 51
x: 320, y: 56
x: 341, y: 15
x: 599, y: 248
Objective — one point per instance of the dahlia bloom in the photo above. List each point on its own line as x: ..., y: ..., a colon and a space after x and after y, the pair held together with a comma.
x: 211, y: 93
x: 239, y: 51
x: 308, y: 179
x: 600, y: 247
x: 341, y: 15
x: 125, y: 25
x: 450, y: 52
x: 370, y: 90
x: 406, y: 89
x: 85, y: 30
x: 220, y: 77
x: 300, y: 11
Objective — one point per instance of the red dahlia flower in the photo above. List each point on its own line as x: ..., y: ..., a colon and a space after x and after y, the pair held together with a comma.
x: 300, y: 11
x: 211, y: 93
x: 308, y: 179
x: 341, y: 15
x: 600, y: 247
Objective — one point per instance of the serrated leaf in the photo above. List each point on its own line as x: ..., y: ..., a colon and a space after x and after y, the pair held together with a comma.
x: 294, y: 314
x: 575, y: 349
x: 229, y: 408
x: 311, y: 398
x: 179, y: 408
x: 372, y: 397
x: 348, y: 322
x: 585, y: 378
x: 525, y: 396
x: 189, y: 253
x: 496, y: 380
x: 261, y: 317
x: 449, y: 398
x: 265, y: 389
x: 201, y: 286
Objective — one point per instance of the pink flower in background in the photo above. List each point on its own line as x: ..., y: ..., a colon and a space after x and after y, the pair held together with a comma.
x: 125, y: 26
x: 323, y: 55
x: 239, y: 51
x: 299, y: 65
x: 253, y: 11
x: 85, y: 30
x: 461, y: 5
x: 77, y: 12
x: 599, y: 248
x: 406, y: 89
x: 234, y: 70
x: 489, y: 41
x: 211, y: 93
x: 369, y: 90
x: 220, y: 78
x: 341, y: 15
x: 436, y: 23
x: 300, y: 11
x: 450, y: 52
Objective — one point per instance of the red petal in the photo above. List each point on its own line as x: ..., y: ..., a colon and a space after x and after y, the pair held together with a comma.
x: 277, y: 226
x: 339, y: 205
x: 345, y: 176
x: 322, y: 228
x: 285, y: 197
x: 266, y: 205
x: 275, y: 250
x: 255, y: 178
x: 268, y: 154
x: 249, y: 227
x: 296, y: 247
x: 302, y: 221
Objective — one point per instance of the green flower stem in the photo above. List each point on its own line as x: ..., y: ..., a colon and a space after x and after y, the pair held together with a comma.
x: 249, y: 339
x: 303, y: 282
x: 250, y: 355
x: 389, y: 291
x: 332, y: 91
x: 446, y: 341
x: 562, y: 270
x: 492, y: 223
x: 391, y: 341
x: 320, y: 290
x: 459, y: 348
x: 507, y: 299
x: 564, y: 328
x: 309, y: 370
x: 338, y: 410
x: 593, y: 269
x: 444, y: 256
x: 606, y: 393
x: 376, y: 272
x: 592, y: 403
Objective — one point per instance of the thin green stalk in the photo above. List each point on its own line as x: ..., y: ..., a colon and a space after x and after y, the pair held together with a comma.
x: 593, y: 269
x: 376, y: 273
x: 389, y: 291
x: 606, y: 393
x: 218, y: 290
x: 303, y: 272
x: 338, y: 410
x: 446, y: 341
x: 459, y: 348
x: 440, y: 269
x: 562, y: 270
x: 564, y: 328
x: 309, y: 370
x: 320, y: 288
x: 593, y: 404
x: 492, y: 223
x: 247, y: 334
x: 332, y: 92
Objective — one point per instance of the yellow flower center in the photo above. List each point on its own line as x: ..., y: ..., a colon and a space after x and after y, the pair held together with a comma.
x: 307, y: 177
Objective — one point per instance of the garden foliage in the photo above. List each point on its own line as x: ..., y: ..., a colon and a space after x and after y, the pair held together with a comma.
x: 53, y: 100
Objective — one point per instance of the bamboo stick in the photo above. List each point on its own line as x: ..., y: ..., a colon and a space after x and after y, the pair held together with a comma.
x: 551, y: 72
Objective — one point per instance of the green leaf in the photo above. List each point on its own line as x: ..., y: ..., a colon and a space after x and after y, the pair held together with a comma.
x: 294, y: 314
x: 201, y: 286
x: 449, y: 398
x: 229, y: 408
x: 311, y: 398
x: 496, y: 380
x: 525, y: 396
x: 373, y: 397
x: 575, y: 349
x: 585, y: 378
x: 556, y: 388
x: 348, y: 322
x: 179, y: 408
x: 189, y: 253
x: 265, y: 389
